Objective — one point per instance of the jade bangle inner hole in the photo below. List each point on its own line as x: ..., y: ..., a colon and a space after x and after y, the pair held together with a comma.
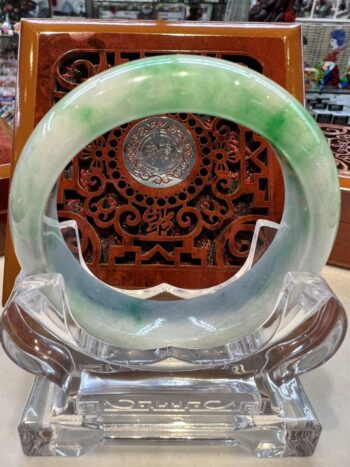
x: 152, y: 168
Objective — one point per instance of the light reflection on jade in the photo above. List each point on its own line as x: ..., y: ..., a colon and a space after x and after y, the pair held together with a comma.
x: 169, y: 84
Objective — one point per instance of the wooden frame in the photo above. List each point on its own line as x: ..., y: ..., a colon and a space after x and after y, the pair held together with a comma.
x: 277, y: 47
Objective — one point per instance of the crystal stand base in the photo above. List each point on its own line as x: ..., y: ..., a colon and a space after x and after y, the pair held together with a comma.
x: 148, y: 407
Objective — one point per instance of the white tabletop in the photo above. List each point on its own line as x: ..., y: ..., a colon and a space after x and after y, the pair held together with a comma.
x: 327, y: 387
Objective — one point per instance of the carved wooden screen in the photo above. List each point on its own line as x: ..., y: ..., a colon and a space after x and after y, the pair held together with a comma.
x: 141, y: 224
x: 139, y: 227
x: 338, y: 138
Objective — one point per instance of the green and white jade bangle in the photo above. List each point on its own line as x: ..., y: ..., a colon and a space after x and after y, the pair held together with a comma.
x: 169, y: 84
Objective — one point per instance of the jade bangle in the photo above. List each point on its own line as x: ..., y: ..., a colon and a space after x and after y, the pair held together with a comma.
x: 169, y: 84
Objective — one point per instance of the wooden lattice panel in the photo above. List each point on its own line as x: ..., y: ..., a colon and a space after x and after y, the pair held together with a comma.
x: 138, y: 229
x: 195, y: 232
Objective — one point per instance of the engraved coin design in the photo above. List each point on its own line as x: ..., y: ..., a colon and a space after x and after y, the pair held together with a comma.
x: 159, y: 152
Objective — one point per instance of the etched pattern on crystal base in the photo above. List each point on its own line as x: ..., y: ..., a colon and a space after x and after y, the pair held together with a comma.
x: 253, y: 413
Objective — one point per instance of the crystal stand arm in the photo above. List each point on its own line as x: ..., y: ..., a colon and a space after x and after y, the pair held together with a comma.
x: 297, y: 348
x: 309, y: 345
x: 30, y: 346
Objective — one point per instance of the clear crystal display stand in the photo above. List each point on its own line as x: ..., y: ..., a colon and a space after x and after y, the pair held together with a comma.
x: 244, y: 393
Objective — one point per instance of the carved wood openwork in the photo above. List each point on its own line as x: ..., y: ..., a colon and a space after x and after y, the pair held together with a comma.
x: 172, y: 198
x: 339, y: 141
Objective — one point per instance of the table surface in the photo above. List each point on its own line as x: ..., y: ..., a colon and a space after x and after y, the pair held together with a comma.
x: 326, y: 388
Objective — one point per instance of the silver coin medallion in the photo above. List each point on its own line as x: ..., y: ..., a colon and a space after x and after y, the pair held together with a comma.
x: 159, y: 152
